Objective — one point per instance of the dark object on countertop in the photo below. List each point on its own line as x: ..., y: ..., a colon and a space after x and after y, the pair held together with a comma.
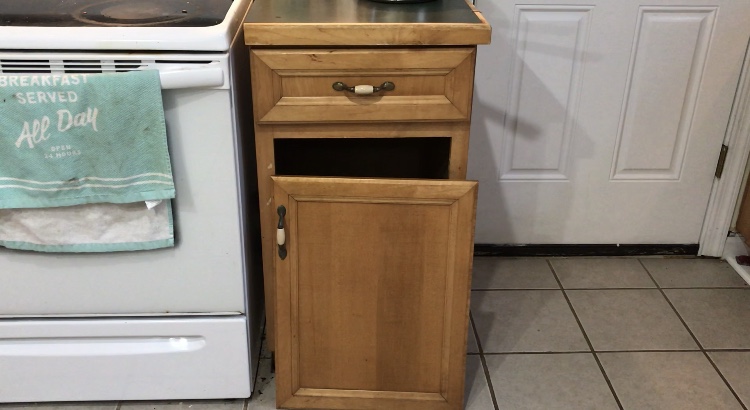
x: 401, y: 1
x: 743, y: 260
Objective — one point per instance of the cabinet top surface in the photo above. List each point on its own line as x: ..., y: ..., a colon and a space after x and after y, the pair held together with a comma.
x: 363, y: 23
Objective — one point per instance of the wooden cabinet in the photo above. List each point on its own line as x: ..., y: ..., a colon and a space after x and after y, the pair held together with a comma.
x: 368, y: 294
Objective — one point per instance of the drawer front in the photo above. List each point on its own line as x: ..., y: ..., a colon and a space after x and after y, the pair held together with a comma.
x: 123, y: 359
x: 297, y: 85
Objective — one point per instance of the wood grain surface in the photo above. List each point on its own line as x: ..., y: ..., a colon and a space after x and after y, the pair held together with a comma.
x: 372, y: 300
x: 430, y: 84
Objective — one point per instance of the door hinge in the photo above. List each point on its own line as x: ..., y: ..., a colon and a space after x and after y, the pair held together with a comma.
x: 722, y: 160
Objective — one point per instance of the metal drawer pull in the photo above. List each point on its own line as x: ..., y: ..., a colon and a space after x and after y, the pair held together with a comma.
x: 364, y: 89
x: 280, y: 234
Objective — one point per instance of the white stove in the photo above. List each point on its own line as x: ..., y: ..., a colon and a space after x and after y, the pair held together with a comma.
x: 148, y: 25
x: 177, y: 323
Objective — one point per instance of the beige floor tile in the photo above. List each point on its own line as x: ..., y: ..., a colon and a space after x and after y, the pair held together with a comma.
x: 549, y: 381
x: 525, y: 321
x: 633, y: 319
x: 734, y: 366
x: 576, y: 273
x: 665, y: 381
x: 60, y: 406
x: 719, y: 318
x: 512, y: 273
x: 184, y: 405
x: 692, y: 273
x: 477, y: 392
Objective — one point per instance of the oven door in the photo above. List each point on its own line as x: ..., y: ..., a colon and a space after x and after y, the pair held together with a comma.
x: 204, y: 272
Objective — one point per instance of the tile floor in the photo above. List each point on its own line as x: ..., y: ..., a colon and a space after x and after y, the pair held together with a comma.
x: 609, y: 333
x: 582, y: 333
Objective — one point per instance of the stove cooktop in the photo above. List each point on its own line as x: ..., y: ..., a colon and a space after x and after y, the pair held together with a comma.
x: 113, y: 13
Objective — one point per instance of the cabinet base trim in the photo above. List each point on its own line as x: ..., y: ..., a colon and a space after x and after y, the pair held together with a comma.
x: 365, y: 399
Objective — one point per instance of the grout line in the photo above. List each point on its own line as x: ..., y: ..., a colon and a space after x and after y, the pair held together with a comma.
x: 516, y: 353
x: 654, y: 280
x: 706, y: 287
x: 586, y: 336
x: 736, y: 396
x: 247, y: 402
x: 632, y: 288
x: 696, y: 350
x: 608, y: 351
x: 614, y: 288
x: 484, y: 362
x: 703, y: 350
x: 511, y: 290
x: 119, y: 405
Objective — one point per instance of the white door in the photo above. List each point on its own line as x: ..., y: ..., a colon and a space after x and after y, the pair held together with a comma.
x: 602, y: 121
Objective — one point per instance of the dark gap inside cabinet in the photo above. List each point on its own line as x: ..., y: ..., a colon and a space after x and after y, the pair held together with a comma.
x: 424, y: 158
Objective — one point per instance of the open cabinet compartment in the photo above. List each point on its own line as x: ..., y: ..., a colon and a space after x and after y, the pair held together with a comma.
x: 425, y: 158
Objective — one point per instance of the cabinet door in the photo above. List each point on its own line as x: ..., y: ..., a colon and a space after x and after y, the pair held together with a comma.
x: 372, y: 297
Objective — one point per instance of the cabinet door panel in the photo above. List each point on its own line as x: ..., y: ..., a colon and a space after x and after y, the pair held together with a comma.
x: 372, y: 297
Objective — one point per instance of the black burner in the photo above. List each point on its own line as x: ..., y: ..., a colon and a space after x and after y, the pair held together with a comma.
x: 153, y: 13
x: 134, y: 13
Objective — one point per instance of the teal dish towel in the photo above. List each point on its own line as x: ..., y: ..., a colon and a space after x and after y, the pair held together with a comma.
x: 84, y: 163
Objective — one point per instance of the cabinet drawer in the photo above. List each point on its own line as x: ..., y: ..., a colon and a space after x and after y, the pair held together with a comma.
x: 123, y: 359
x: 297, y: 85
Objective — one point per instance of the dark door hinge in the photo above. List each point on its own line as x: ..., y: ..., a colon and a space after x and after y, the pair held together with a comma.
x: 722, y: 160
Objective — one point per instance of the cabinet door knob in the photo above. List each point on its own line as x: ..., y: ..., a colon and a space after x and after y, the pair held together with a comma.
x: 280, y: 234
x: 364, y: 89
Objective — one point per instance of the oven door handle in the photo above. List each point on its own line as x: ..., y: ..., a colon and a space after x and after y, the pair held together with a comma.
x: 202, y: 77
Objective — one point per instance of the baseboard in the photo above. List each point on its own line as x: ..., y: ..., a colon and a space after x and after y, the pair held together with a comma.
x: 735, y: 247
x: 482, y: 249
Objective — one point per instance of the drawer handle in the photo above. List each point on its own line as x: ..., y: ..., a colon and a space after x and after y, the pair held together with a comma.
x: 364, y: 89
x: 280, y: 234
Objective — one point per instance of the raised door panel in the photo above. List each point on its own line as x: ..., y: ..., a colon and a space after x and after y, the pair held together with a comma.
x: 663, y: 86
x: 297, y: 85
x: 372, y: 297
